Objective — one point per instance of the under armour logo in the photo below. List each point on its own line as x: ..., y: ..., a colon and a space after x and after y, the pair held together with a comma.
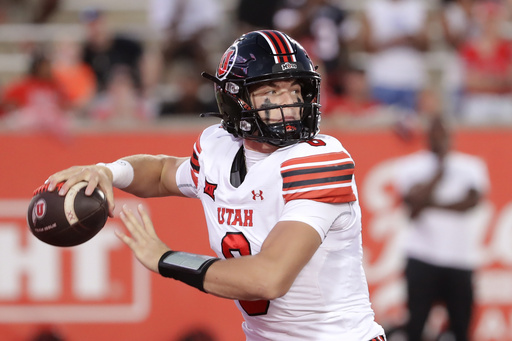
x: 258, y: 195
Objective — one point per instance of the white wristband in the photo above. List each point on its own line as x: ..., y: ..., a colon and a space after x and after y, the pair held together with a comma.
x: 122, y: 173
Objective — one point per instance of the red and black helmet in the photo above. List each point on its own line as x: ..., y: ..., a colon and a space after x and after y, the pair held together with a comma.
x: 258, y: 57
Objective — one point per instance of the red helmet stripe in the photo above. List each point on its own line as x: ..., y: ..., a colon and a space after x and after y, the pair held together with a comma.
x: 284, y: 42
x: 280, y: 46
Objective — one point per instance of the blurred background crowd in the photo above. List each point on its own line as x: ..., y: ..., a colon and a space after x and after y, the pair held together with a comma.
x: 127, y: 63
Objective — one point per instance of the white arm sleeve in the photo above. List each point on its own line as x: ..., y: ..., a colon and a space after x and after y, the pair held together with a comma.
x: 184, y: 180
x: 320, y: 216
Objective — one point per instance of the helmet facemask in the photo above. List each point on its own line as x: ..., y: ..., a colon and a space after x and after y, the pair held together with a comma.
x: 255, y: 123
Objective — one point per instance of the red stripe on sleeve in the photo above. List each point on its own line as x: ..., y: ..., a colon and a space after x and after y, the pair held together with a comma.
x: 333, y: 195
x: 324, y: 178
x: 316, y: 158
x: 194, y: 160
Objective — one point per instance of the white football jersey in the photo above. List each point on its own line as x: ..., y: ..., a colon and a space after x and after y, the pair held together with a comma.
x: 437, y: 236
x: 311, y: 182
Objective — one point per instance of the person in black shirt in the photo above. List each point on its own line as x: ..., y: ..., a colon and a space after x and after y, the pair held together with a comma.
x: 103, y: 50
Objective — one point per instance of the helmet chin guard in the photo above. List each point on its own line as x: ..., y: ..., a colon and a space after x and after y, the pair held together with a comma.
x: 280, y: 134
x: 255, y: 58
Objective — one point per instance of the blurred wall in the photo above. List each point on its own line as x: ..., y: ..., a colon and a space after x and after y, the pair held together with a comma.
x: 98, y: 291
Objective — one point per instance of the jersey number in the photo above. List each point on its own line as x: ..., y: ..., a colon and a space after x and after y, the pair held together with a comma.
x: 316, y: 143
x: 233, y: 243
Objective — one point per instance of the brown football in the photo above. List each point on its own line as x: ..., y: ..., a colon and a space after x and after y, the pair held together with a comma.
x: 67, y: 220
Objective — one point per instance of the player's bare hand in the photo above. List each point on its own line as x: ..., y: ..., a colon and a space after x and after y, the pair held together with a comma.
x: 94, y: 175
x: 142, y: 238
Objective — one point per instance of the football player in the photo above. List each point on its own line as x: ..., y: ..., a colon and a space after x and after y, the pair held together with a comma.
x: 280, y: 201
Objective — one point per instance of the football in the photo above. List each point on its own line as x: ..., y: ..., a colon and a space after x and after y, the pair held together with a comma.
x: 67, y: 220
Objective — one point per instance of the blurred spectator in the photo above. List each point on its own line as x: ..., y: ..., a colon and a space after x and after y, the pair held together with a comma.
x: 457, y: 27
x: 121, y: 102
x: 394, y: 33
x: 185, y: 93
x: 36, y: 102
x: 456, y: 21
x: 487, y: 66
x: 356, y: 101
x: 104, y: 49
x: 75, y: 77
x: 186, y: 27
x: 319, y: 26
x: 440, y: 187
x: 27, y: 11
x: 188, y: 32
x: 256, y: 15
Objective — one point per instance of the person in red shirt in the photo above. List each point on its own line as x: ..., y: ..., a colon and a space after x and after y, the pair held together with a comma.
x: 357, y: 100
x: 74, y: 77
x: 487, y: 65
x: 35, y: 102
